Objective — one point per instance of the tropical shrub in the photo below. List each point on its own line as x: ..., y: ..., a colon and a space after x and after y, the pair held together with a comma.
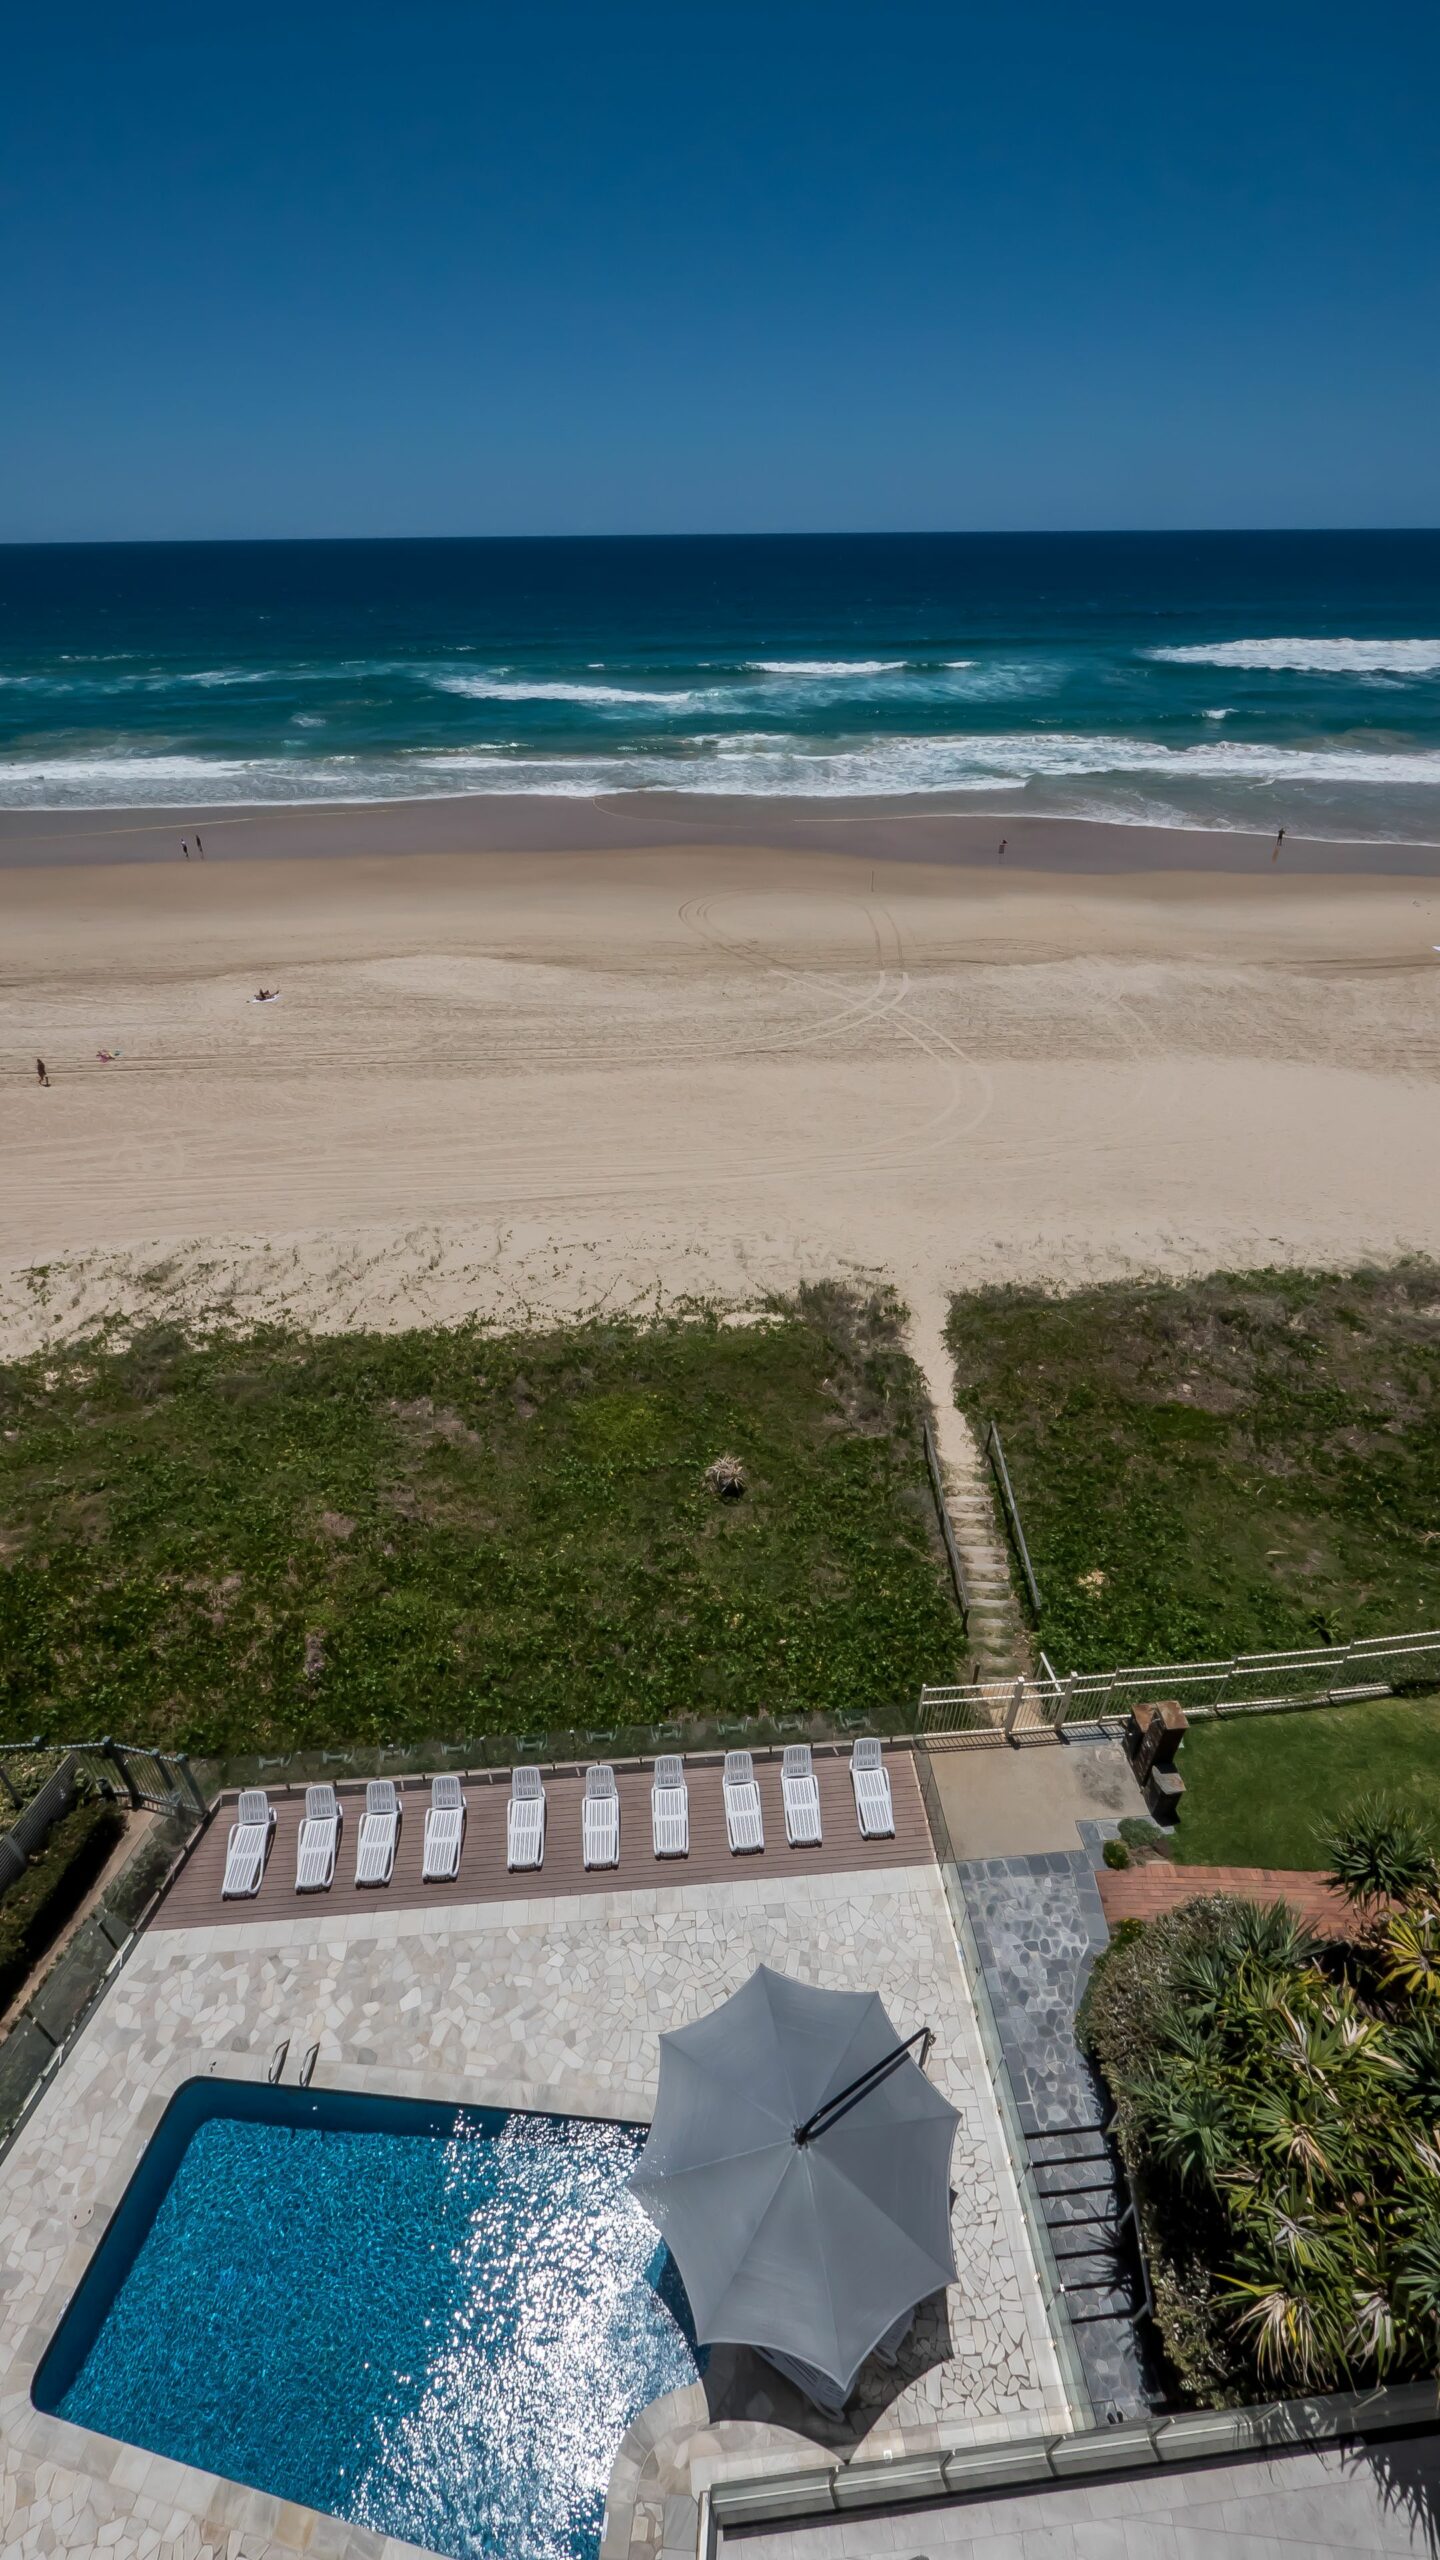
x: 1380, y: 1853
x: 1278, y: 2108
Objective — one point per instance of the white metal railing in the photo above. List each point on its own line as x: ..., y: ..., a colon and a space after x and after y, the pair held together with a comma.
x: 1245, y: 1684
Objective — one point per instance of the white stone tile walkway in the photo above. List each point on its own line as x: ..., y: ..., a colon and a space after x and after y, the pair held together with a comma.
x: 540, y: 2004
x: 1328, y: 2502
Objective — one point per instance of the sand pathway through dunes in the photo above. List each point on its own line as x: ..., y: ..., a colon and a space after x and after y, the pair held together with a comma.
x: 544, y: 1082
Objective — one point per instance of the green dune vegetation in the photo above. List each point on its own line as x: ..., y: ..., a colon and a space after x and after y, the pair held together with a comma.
x: 1222, y: 1465
x: 287, y: 1540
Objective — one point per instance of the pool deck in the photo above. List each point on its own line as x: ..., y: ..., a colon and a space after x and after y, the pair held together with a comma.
x: 552, y: 2000
x: 195, y: 1901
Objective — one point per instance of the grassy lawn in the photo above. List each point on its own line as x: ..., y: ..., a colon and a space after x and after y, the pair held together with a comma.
x: 1222, y: 1465
x: 1260, y: 1791
x: 293, y: 1540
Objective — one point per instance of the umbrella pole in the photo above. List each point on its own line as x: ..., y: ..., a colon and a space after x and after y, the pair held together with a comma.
x: 834, y: 2108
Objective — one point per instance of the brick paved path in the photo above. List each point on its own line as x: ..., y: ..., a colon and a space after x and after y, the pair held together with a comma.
x: 1143, y: 1893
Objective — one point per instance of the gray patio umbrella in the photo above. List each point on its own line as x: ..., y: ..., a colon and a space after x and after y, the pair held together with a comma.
x: 799, y: 2169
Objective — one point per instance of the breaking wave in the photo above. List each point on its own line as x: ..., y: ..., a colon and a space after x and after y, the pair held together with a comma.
x: 1310, y: 657
x: 758, y: 765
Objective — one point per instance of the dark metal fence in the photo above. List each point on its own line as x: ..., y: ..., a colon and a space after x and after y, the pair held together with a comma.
x: 73, y: 1986
x: 35, y: 1818
x: 996, y: 1455
x: 947, y: 1531
x: 41, y: 1780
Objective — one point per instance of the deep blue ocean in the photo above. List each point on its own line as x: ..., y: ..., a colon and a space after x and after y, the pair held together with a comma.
x: 1232, y: 680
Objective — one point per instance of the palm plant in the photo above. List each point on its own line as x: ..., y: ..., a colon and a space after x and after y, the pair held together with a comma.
x: 1268, y: 1934
x: 1412, y: 1949
x: 1294, y: 2322
x: 1380, y: 1853
x: 1187, y: 2118
x: 1417, y: 2287
x: 1416, y: 2048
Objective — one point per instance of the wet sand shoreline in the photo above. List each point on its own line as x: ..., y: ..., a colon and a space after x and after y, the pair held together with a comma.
x: 945, y: 829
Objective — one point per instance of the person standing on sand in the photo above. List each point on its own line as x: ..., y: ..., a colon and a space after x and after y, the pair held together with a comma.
x: 1001, y: 854
x: 41, y: 1072
x: 1279, y: 840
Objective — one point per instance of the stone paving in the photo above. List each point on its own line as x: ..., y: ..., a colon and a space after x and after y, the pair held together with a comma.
x: 548, y: 2004
x: 1039, y: 1925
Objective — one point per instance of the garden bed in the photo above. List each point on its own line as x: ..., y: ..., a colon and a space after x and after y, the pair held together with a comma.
x: 1276, y: 2099
x: 45, y: 1898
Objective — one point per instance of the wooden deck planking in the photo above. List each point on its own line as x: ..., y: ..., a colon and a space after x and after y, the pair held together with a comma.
x: 194, y: 1900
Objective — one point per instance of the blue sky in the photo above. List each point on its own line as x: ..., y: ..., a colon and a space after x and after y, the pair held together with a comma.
x: 451, y: 267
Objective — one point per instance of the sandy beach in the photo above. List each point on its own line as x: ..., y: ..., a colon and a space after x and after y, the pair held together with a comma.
x: 518, y: 1078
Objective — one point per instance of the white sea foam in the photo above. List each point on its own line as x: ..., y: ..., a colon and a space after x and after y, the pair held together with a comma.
x: 739, y: 766
x: 219, y: 675
x: 538, y: 689
x: 1311, y: 657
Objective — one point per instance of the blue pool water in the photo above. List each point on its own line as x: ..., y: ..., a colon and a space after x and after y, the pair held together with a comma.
x: 435, y: 2322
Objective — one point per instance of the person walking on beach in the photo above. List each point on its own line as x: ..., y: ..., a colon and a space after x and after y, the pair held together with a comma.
x: 185, y: 847
x: 1001, y: 854
x: 41, y: 1072
x: 1279, y: 840
x: 200, y: 849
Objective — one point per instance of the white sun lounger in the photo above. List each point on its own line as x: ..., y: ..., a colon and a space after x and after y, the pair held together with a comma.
x: 670, y: 1808
x: 744, y: 1822
x: 444, y: 1831
x: 801, y: 1790
x: 874, y: 1805
x: 600, y: 1820
x: 379, y: 1831
x: 525, y: 1820
x: 249, y: 1843
x: 318, y: 1842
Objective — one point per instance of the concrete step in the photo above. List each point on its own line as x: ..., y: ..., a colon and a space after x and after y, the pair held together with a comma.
x: 1094, y: 2175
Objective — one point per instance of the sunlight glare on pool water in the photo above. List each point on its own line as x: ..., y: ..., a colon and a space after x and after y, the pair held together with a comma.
x: 444, y: 2339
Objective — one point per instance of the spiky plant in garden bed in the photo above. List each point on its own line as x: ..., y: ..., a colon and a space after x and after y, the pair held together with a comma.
x: 1278, y: 2104
x: 1380, y: 1853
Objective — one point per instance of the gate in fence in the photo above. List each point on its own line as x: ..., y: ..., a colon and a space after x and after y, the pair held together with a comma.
x: 1247, y: 1684
x: 156, y: 1780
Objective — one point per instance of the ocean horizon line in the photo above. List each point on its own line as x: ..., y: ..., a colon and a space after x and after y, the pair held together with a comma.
x: 751, y: 533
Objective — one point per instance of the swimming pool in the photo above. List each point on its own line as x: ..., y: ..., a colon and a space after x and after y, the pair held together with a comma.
x: 435, y: 2321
